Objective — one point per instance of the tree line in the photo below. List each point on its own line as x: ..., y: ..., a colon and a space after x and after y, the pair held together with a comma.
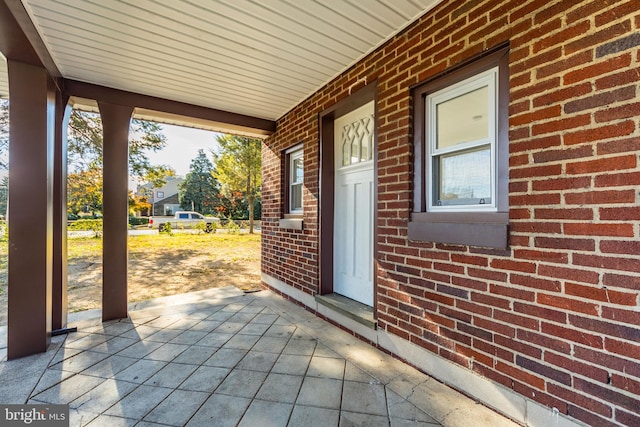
x: 228, y: 185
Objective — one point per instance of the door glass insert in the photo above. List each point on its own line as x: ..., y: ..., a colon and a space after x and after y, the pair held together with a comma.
x: 357, y: 141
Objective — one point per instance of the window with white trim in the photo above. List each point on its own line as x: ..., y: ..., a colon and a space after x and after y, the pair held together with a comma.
x: 295, y: 173
x: 461, y: 145
x: 461, y: 152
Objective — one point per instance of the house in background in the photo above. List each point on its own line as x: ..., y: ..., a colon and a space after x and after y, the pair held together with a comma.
x: 454, y: 182
x: 164, y: 200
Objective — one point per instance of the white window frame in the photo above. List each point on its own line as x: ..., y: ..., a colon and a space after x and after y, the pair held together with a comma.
x: 488, y: 78
x: 293, y: 154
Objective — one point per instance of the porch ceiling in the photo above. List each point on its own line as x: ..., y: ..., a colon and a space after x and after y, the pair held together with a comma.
x: 254, y: 57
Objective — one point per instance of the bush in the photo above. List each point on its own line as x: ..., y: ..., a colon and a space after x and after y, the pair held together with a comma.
x: 138, y: 220
x: 94, y: 225
x: 233, y: 227
x: 166, y: 228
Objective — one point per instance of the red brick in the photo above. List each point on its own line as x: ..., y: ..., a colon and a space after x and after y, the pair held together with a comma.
x: 561, y: 184
x: 622, y: 315
x: 618, y: 113
x: 563, y: 154
x: 599, y: 133
x: 569, y: 273
x: 569, y: 333
x: 621, y: 281
x: 600, y: 197
x: 521, y: 375
x: 594, y: 38
x: 535, y: 282
x: 599, y: 68
x: 622, y: 348
x: 565, y: 243
x: 630, y: 333
x: 570, y: 364
x: 607, y: 262
x: 580, y: 399
x: 618, y: 179
x: 602, y: 294
x: 535, y: 144
x: 608, y: 394
x: 561, y: 125
x: 565, y: 213
x: 548, y: 170
x: 557, y: 257
x: 620, y: 246
x: 599, y: 229
x: 543, y: 340
x: 567, y: 304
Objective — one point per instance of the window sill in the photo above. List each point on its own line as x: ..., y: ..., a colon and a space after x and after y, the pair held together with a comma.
x: 488, y: 230
x: 291, y: 222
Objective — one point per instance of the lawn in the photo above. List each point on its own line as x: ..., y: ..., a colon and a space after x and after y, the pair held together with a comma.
x: 159, y: 265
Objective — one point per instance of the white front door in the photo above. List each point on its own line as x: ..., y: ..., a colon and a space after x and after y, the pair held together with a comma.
x: 353, y: 216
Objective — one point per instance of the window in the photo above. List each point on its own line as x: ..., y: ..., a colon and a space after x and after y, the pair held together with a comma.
x: 461, y: 152
x: 160, y: 194
x: 293, y: 164
x: 295, y: 172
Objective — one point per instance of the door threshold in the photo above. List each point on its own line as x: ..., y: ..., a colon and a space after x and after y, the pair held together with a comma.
x: 352, y: 309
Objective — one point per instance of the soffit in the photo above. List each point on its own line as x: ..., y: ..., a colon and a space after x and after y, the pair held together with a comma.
x: 259, y: 58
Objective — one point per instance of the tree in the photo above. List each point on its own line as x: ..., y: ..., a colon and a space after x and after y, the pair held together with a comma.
x: 86, y: 158
x: 4, y: 134
x: 239, y: 168
x: 199, y: 190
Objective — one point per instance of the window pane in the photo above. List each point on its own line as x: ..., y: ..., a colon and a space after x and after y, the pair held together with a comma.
x: 464, y: 178
x: 463, y: 119
x: 296, y: 197
x: 297, y: 171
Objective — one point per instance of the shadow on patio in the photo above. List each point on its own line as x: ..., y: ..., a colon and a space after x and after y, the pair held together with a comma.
x: 220, y: 357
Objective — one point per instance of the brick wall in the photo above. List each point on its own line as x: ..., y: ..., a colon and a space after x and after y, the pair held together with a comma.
x: 556, y: 316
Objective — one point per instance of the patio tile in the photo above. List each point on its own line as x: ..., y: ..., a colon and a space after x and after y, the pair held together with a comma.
x: 258, y: 361
x: 310, y: 416
x: 114, y: 345
x: 280, y: 388
x: 265, y: 318
x: 324, y: 351
x: 163, y: 321
x: 271, y: 414
x: 140, y: 349
x: 215, y: 339
x: 291, y: 364
x: 63, y: 354
x: 242, y: 342
x: 205, y: 378
x: 100, y: 398
x: 323, y: 392
x: 188, y: 337
x: 242, y: 317
x: 221, y: 315
x: 195, y: 355
x: 167, y: 352
x: 140, y: 371
x: 111, y: 421
x: 87, y: 342
x: 402, y: 410
x: 49, y: 378
x: 140, y: 332
x: 364, y: 398
x: 164, y: 335
x: 353, y: 373
x: 226, y: 357
x: 351, y: 419
x: 184, y: 324
x: 326, y: 367
x: 110, y: 366
x: 255, y: 308
x: 177, y: 408
x: 396, y: 422
x: 300, y: 346
x: 254, y: 329
x: 117, y: 328
x: 80, y: 418
x: 69, y: 389
x: 230, y: 327
x: 271, y: 344
x: 242, y: 383
x: 80, y: 361
x: 171, y: 375
x: 139, y: 402
x: 205, y: 326
x: 220, y: 411
x: 280, y: 330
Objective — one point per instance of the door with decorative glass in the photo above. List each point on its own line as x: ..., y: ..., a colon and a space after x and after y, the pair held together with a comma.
x: 353, y: 205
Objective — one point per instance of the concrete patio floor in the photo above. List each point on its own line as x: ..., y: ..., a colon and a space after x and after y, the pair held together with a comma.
x: 224, y: 358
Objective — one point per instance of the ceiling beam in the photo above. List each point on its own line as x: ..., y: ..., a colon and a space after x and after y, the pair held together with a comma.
x: 224, y: 121
x: 19, y: 39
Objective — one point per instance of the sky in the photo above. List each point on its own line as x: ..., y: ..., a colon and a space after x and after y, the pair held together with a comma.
x: 182, y: 146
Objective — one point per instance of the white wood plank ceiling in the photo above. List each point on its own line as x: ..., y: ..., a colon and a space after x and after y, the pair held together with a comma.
x: 253, y: 57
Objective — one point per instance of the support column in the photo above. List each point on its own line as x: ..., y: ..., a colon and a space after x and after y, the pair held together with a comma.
x: 115, y: 208
x: 31, y: 142
x: 60, y: 284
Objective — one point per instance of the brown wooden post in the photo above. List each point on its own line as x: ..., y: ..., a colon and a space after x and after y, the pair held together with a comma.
x: 115, y: 208
x: 30, y: 214
x: 60, y: 284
